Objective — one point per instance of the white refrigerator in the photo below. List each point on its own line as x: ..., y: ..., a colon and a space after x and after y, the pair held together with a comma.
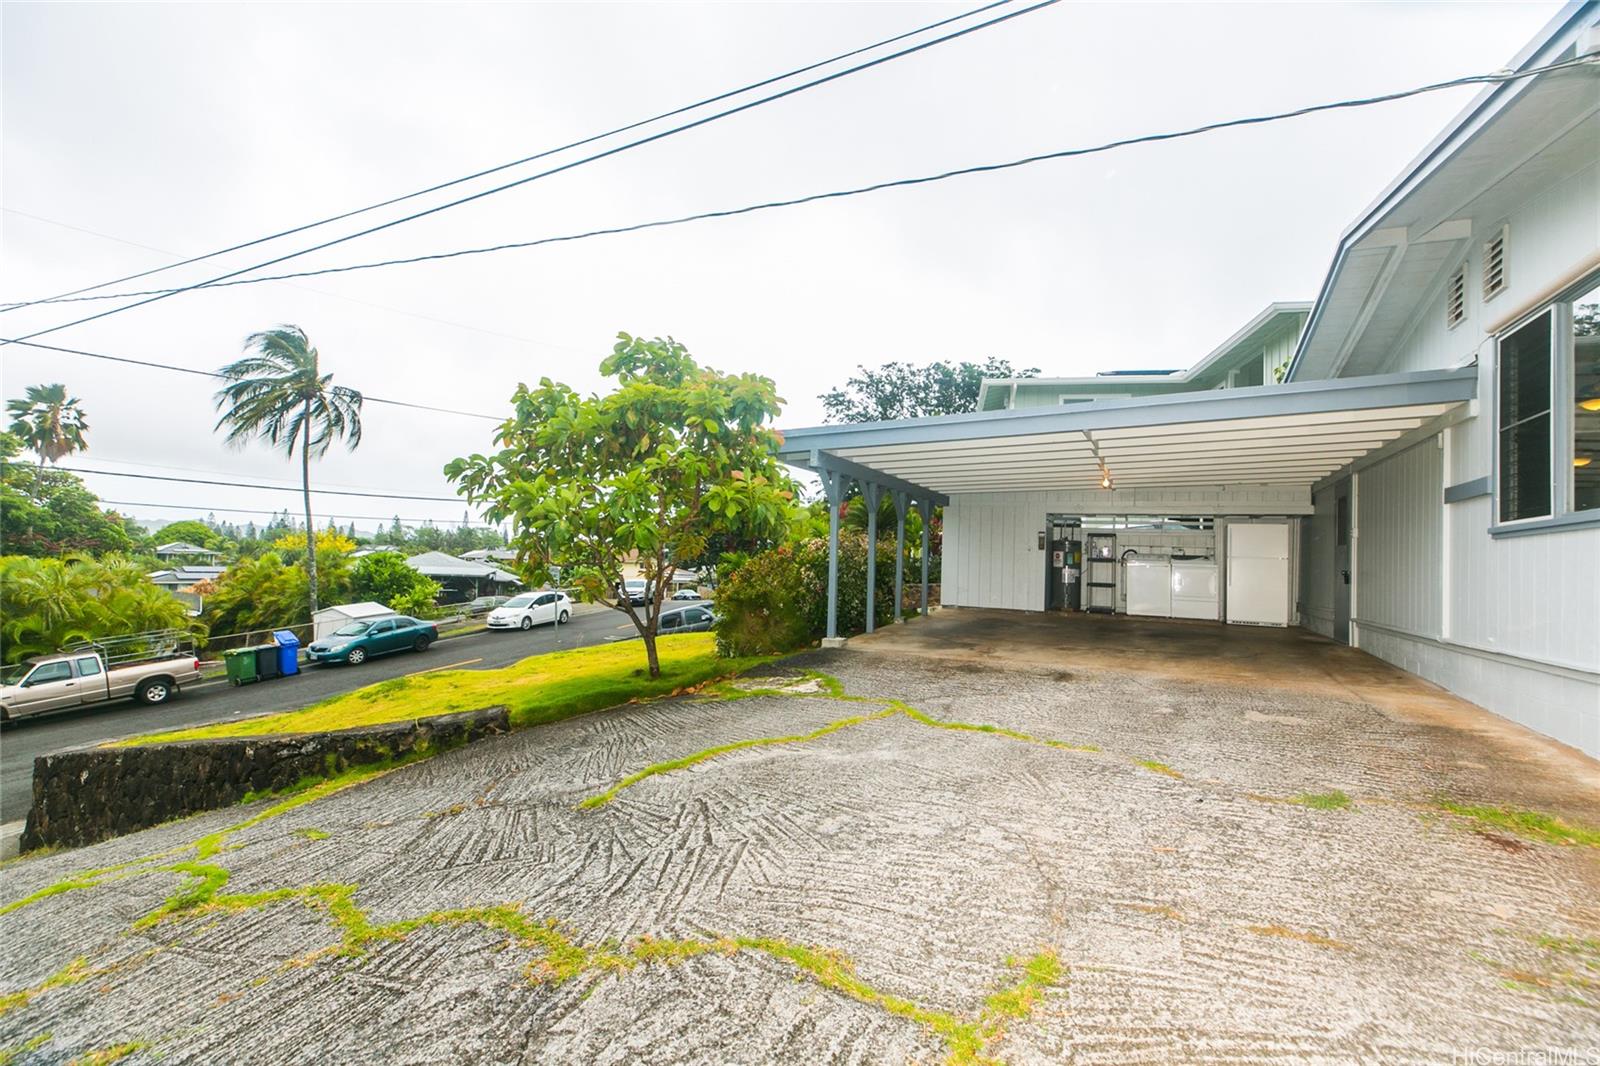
x: 1258, y: 573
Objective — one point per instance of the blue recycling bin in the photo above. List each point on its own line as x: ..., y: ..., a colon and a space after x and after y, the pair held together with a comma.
x: 288, y: 651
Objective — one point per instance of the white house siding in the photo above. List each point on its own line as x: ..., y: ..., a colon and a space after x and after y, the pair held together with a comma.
x: 992, y: 556
x: 1399, y: 541
x: 1511, y: 623
x: 1319, y: 575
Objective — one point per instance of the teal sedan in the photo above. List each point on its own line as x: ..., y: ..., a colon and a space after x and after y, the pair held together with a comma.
x: 355, y: 642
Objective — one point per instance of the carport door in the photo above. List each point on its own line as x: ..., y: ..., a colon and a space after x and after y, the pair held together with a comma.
x: 1341, y: 562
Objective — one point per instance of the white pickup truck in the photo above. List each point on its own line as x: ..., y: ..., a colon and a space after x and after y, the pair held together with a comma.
x: 74, y: 678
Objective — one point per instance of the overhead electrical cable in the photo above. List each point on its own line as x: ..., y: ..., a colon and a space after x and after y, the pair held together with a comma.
x: 545, y: 153
x: 365, y: 398
x: 249, y: 484
x: 1476, y: 79
x: 582, y: 161
x: 268, y: 511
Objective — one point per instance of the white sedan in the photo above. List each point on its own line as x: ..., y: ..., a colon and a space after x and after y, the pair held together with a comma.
x: 531, y: 609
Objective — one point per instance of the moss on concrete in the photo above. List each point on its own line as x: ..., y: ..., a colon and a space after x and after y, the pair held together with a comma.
x: 1531, y: 825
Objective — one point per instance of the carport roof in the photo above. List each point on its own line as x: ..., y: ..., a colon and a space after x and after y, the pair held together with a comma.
x: 1293, y: 434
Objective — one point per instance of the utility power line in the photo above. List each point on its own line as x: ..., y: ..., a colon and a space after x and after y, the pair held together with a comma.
x: 250, y: 485
x: 213, y: 374
x: 583, y: 161
x: 267, y: 511
x: 1068, y: 153
x: 303, y: 288
x: 513, y: 163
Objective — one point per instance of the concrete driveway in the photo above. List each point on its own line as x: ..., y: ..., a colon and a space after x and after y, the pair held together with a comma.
x: 1302, y: 856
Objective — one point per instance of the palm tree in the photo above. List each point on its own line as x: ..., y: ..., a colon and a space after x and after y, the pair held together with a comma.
x: 279, y: 394
x: 50, y: 422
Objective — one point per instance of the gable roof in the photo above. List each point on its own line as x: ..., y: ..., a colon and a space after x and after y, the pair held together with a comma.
x: 1396, y: 251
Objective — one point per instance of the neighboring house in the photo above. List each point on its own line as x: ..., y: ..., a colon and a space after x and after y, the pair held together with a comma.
x: 375, y: 549
x: 1258, y: 354
x: 179, y: 580
x: 463, y: 580
x: 180, y: 549
x: 1424, y: 485
x: 490, y: 555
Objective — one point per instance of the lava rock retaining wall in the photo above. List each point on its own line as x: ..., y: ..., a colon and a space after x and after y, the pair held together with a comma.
x: 87, y: 794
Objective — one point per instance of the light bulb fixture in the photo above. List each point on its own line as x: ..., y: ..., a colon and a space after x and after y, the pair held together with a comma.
x: 1591, y: 404
x: 1582, y: 460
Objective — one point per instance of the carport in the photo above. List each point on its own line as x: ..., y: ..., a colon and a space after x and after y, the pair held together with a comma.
x: 1249, y: 451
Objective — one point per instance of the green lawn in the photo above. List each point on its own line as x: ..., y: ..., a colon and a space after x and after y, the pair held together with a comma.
x: 543, y: 688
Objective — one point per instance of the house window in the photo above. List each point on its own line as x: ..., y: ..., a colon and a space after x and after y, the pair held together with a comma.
x: 1585, y: 383
x: 1494, y: 265
x: 1525, y: 429
x: 1455, y: 298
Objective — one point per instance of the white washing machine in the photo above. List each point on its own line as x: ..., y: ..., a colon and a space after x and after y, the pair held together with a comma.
x: 1194, y: 588
x: 1149, y: 587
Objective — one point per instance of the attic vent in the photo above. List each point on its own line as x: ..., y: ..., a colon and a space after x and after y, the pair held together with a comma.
x: 1455, y: 298
x: 1494, y: 265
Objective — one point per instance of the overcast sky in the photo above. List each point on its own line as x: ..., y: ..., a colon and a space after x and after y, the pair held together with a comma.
x: 182, y: 128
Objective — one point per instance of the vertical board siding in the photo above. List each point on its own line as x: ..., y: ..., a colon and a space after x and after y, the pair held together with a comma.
x: 992, y: 556
x: 1535, y: 596
x: 1319, y: 575
x: 1400, y: 540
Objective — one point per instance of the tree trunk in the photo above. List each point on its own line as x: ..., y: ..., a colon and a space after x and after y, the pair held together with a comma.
x: 650, y: 653
x: 305, y: 489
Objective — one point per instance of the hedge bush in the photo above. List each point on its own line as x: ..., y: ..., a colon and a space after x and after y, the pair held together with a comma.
x: 777, y: 601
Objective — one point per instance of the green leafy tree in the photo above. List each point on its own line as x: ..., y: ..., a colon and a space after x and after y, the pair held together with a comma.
x: 50, y: 422
x: 908, y: 390
x: 279, y: 394
x: 50, y: 512
x: 675, y: 455
x: 384, y: 577
x: 190, y: 531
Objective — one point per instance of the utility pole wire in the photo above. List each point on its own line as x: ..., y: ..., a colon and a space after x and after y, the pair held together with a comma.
x: 673, y: 131
x: 244, y: 484
x: 507, y: 166
x: 213, y: 374
x: 1476, y: 79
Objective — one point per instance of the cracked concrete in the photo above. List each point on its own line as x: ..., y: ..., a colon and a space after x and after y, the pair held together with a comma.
x: 1194, y: 917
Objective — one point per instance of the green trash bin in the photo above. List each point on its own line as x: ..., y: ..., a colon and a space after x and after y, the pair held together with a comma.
x: 241, y: 665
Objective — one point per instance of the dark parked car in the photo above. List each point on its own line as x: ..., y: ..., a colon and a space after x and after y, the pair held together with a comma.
x: 690, y: 594
x: 355, y: 642
x: 695, y: 619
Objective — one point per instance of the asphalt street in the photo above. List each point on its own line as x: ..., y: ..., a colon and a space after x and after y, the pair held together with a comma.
x: 218, y: 701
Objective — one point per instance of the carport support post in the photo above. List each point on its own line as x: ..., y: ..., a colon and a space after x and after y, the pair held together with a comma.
x: 871, y: 492
x: 899, y: 555
x: 833, y: 488
x: 926, y: 507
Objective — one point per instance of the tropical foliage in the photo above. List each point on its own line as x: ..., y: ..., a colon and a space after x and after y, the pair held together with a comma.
x: 674, y: 456
x: 279, y: 394
x: 45, y: 603
x: 49, y: 422
x: 268, y: 591
x: 778, y: 601
x: 46, y: 512
x: 384, y: 577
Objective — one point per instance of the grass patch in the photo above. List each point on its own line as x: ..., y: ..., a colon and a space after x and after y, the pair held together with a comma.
x: 309, y: 833
x: 106, y: 1056
x: 8, y: 1055
x: 669, y: 765
x: 539, y: 689
x: 1532, y: 825
x: 1322, y: 801
x: 1158, y: 768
